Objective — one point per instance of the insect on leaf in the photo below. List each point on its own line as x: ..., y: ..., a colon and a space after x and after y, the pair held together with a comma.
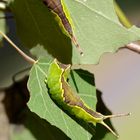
x: 63, y: 95
x: 63, y: 17
x: 41, y: 103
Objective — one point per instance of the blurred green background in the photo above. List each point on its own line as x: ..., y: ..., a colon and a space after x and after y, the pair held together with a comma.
x: 117, y: 77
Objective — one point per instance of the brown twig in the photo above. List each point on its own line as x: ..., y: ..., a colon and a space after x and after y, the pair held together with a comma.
x: 25, y: 56
x: 134, y: 47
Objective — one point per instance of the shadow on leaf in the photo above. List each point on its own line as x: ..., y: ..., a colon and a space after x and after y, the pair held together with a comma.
x: 42, y: 129
x: 16, y: 97
x: 41, y: 29
x: 15, y: 103
x: 101, y: 131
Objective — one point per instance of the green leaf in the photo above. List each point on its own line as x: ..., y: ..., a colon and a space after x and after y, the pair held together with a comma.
x: 35, y: 128
x: 97, y: 30
x: 43, y: 106
x: 36, y: 27
x: 96, y: 27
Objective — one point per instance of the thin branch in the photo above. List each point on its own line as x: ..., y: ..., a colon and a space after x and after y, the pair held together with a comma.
x: 25, y: 56
x: 134, y: 47
x: 125, y: 21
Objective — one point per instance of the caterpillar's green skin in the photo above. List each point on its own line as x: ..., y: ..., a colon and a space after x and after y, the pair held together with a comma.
x: 62, y: 94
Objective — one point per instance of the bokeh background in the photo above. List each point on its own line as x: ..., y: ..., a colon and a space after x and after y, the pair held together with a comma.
x: 117, y: 77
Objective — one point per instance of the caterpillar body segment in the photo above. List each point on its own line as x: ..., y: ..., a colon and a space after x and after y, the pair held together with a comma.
x: 57, y: 7
x: 63, y: 95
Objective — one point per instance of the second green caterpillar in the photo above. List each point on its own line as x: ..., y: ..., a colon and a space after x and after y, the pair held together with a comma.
x: 63, y: 18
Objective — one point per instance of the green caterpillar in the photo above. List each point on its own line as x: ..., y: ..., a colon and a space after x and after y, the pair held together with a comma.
x: 63, y: 17
x: 62, y: 94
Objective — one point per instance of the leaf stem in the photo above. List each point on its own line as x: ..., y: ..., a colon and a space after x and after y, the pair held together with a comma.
x: 134, y: 47
x: 122, y: 17
x: 125, y: 21
x: 25, y: 56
